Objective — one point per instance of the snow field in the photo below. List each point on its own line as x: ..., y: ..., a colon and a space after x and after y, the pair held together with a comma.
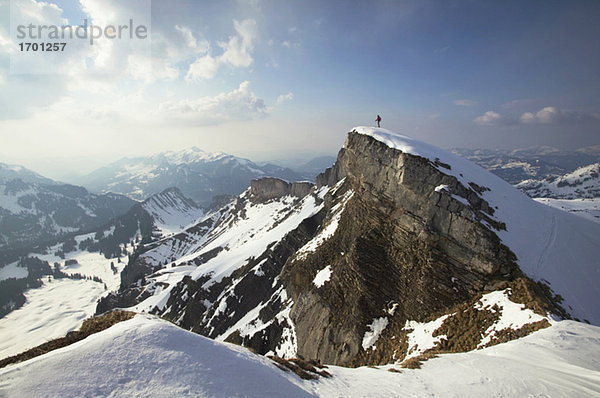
x: 148, y: 357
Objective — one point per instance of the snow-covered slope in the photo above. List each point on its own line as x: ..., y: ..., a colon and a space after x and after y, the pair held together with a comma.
x: 51, y: 311
x: 149, y: 357
x: 234, y: 236
x: 551, y: 246
x: 33, y: 213
x: 171, y: 211
x: 60, y: 305
x: 198, y: 174
x: 583, y: 183
x: 587, y: 208
x: 10, y: 172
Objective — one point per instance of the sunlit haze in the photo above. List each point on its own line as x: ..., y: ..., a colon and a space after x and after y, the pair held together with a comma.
x: 276, y: 80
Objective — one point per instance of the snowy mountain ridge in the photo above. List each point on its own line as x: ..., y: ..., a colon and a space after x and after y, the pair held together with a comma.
x: 399, y: 252
x: 199, y: 175
x: 538, y: 162
x: 284, y: 266
x: 557, y: 361
x: 540, y: 236
x: 583, y: 183
x: 191, y: 155
x: 39, y: 212
x: 171, y: 210
x: 10, y: 172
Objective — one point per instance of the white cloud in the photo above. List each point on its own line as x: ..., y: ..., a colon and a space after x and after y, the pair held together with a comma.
x: 464, y: 102
x: 203, y: 68
x: 285, y: 97
x: 38, y: 12
x: 490, y: 117
x: 238, y: 49
x: 289, y: 44
x: 149, y: 70
x: 237, y: 52
x: 553, y: 115
x: 238, y: 104
x: 6, y: 45
x: 190, y: 40
x: 547, y: 115
x: 528, y: 118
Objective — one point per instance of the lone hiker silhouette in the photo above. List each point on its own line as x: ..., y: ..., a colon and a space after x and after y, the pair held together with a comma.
x: 378, y: 120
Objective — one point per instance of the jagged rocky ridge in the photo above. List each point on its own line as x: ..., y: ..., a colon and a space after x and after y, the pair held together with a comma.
x: 347, y: 271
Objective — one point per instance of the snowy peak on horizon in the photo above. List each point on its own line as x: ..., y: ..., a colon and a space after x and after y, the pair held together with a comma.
x: 199, y: 175
x: 192, y: 155
x: 384, y: 248
x: 537, y: 162
x: 171, y: 210
x: 10, y: 172
x: 583, y: 183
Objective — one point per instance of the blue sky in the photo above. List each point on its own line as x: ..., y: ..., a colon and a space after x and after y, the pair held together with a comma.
x: 288, y: 79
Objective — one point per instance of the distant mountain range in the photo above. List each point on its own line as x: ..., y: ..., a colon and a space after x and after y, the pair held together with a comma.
x: 396, y: 245
x: 583, y: 183
x: 199, y: 175
x: 396, y: 254
x: 35, y: 209
x: 538, y: 162
x: 144, y: 224
x: 577, y: 192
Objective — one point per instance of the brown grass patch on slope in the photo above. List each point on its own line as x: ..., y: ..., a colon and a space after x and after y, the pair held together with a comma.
x: 465, y: 328
x: 90, y: 326
x: 415, y: 362
x: 307, y: 370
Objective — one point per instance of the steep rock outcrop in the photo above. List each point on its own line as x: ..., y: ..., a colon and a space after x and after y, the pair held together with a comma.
x: 385, y: 239
x: 265, y: 189
x: 399, y: 242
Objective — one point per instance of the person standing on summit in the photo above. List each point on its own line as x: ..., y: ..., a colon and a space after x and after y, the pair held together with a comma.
x: 378, y: 120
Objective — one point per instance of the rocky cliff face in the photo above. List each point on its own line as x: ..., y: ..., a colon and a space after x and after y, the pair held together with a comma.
x: 401, y: 243
x: 268, y: 188
x: 386, y: 241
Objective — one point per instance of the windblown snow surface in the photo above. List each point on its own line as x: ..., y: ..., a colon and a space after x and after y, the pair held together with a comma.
x: 148, y: 357
x: 551, y: 245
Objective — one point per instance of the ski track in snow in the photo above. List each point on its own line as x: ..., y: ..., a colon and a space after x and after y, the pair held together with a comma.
x: 544, y: 253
